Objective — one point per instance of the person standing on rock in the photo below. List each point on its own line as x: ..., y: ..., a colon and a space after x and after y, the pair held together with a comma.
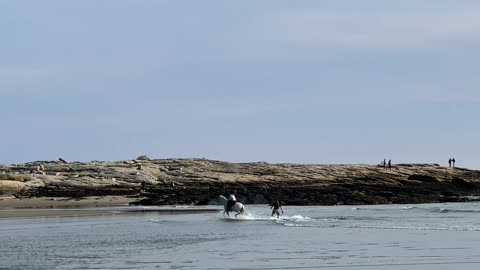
x: 231, y: 201
x: 385, y: 164
x: 450, y: 162
x: 453, y: 162
x: 389, y: 164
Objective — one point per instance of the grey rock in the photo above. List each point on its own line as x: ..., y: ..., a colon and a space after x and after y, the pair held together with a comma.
x: 199, y: 181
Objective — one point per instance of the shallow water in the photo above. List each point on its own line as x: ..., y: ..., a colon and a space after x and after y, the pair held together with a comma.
x: 427, y: 236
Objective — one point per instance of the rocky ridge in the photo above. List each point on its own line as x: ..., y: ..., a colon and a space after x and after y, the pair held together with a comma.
x: 199, y: 181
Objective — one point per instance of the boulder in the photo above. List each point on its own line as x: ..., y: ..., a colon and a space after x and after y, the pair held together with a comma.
x: 144, y: 158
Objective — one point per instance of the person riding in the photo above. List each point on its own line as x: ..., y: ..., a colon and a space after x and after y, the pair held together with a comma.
x: 276, y: 208
x: 231, y: 201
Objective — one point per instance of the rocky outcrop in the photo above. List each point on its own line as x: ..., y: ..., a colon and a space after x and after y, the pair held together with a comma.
x: 198, y: 181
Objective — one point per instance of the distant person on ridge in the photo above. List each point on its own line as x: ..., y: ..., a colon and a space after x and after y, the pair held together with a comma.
x: 450, y: 162
x: 453, y: 162
x: 231, y: 201
x: 385, y: 164
x: 390, y: 164
x: 276, y: 208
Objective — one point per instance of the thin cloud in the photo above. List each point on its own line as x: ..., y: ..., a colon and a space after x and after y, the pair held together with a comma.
x: 367, y: 30
x: 16, y: 78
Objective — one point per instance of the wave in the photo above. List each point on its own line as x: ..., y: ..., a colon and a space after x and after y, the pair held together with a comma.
x: 156, y: 221
x: 288, y: 224
x: 409, y: 207
x: 361, y: 218
x: 447, y: 210
x: 244, y: 217
x: 298, y: 218
x: 288, y: 221
x: 332, y: 219
x: 419, y: 228
x: 253, y: 217
x: 366, y: 208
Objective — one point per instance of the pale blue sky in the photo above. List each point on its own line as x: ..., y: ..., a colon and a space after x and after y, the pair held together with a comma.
x: 276, y: 81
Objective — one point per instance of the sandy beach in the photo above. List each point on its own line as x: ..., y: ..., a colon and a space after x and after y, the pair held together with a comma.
x: 11, y: 207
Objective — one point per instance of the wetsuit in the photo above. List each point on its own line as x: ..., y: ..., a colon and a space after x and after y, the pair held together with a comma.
x: 276, y: 208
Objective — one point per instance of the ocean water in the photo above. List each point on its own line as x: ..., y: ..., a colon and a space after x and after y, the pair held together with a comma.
x: 426, y: 236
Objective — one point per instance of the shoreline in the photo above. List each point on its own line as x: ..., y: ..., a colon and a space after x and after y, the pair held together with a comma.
x: 49, y: 207
x: 63, y: 202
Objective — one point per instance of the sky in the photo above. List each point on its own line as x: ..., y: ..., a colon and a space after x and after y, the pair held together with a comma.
x: 319, y: 81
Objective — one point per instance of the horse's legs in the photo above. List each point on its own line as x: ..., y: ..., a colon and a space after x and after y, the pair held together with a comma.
x: 241, y: 212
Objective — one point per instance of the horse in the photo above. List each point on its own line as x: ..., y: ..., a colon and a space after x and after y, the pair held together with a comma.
x: 237, y: 207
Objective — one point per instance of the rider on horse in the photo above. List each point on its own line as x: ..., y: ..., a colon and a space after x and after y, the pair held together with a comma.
x: 231, y: 201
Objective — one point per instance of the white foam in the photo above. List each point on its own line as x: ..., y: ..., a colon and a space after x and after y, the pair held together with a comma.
x: 155, y: 220
x: 253, y: 217
x: 288, y: 224
x: 299, y: 218
x: 248, y: 216
x: 293, y: 225
x: 331, y: 219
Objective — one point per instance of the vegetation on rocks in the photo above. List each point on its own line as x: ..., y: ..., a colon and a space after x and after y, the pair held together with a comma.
x: 15, y: 177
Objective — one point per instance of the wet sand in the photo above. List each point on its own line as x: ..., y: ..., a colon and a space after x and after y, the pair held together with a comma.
x: 11, y: 207
x: 61, y: 202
